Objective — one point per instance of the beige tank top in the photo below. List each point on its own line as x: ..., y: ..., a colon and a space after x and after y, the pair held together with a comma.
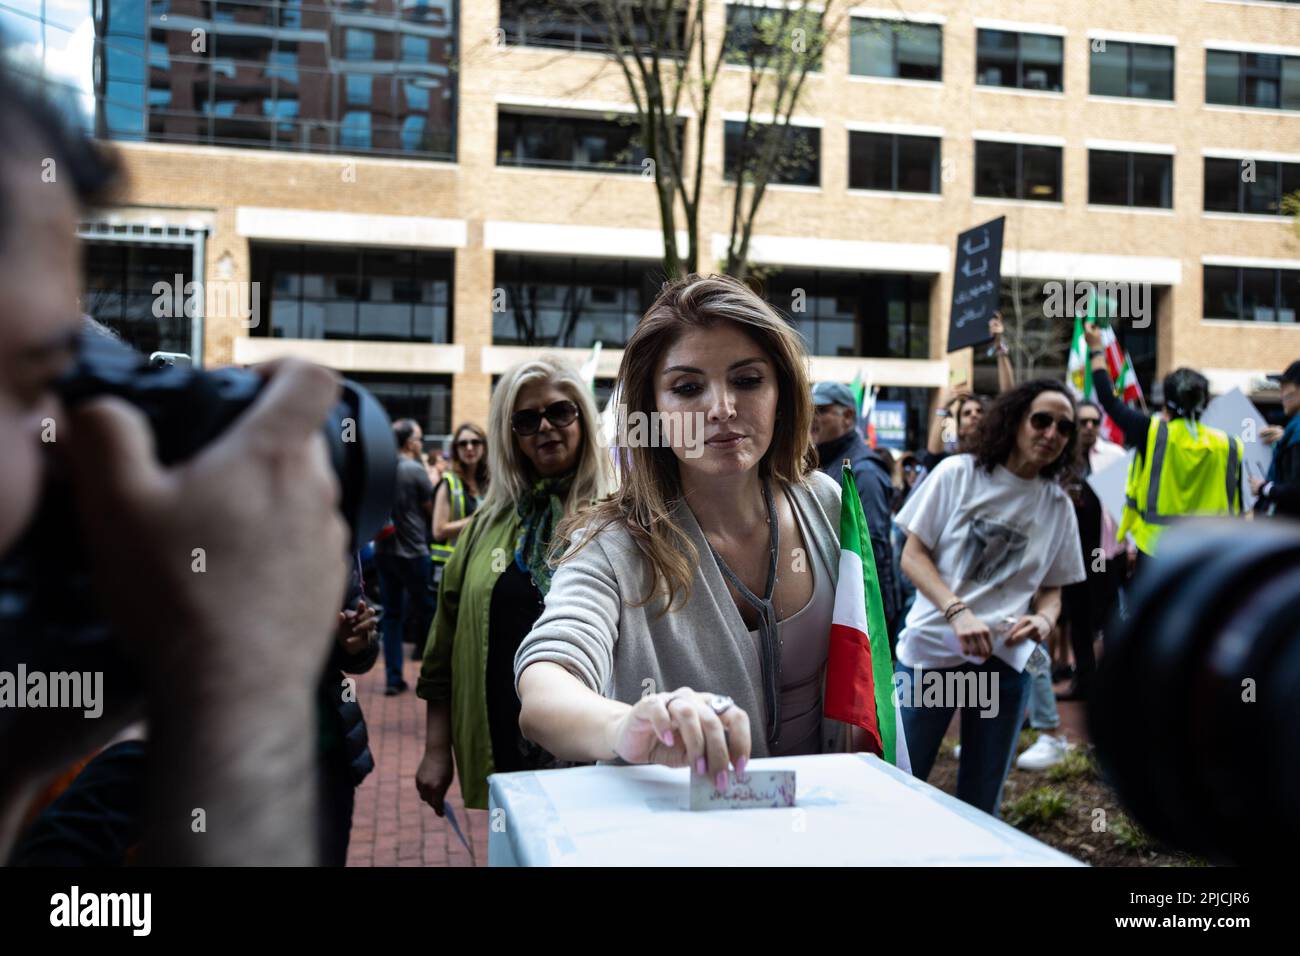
x: 805, y: 641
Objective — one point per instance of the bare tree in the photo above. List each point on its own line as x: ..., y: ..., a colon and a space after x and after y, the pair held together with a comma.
x: 1291, y: 207
x: 671, y: 60
x: 1033, y: 338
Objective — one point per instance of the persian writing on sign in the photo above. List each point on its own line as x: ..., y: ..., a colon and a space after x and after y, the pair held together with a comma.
x: 754, y: 788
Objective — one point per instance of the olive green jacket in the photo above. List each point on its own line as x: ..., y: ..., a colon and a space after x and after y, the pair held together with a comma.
x: 456, y: 654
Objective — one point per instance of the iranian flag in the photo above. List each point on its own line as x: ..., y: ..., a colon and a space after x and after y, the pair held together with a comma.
x: 859, y: 669
x: 1117, y: 362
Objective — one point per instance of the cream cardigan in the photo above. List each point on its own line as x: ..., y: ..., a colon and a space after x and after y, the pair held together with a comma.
x: 624, y: 652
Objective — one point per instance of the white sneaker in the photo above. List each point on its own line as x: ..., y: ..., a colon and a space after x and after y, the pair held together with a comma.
x: 1047, y: 751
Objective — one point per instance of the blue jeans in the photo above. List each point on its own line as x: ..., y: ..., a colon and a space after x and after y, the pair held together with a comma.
x: 987, y: 742
x: 1042, y: 702
x: 404, y: 586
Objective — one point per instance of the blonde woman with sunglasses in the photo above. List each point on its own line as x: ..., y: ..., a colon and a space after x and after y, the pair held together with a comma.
x: 547, y: 464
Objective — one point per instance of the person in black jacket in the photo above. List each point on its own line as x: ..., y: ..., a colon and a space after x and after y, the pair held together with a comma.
x: 344, y: 757
x: 1279, y: 493
x: 834, y: 431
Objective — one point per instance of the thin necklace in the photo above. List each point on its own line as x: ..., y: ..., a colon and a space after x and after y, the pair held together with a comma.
x: 769, y: 642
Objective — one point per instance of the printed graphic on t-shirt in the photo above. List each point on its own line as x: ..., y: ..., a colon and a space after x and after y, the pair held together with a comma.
x: 994, y: 551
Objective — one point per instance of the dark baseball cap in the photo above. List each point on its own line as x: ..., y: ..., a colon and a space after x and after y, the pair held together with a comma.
x: 834, y: 393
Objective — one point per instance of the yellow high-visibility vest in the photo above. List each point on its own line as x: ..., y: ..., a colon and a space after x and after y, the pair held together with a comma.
x: 441, y: 552
x: 1186, y: 469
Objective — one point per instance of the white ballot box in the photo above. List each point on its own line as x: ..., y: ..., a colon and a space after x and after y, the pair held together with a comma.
x: 850, y: 810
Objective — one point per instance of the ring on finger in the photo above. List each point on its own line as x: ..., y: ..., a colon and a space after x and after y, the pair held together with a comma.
x: 720, y: 703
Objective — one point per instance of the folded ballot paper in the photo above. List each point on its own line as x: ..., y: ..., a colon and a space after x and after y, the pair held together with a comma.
x: 748, y: 790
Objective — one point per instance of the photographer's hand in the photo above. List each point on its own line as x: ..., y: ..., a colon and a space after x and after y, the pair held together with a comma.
x: 225, y: 575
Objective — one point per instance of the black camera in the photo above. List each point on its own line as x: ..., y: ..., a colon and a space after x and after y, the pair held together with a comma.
x: 1198, y: 692
x: 49, y: 619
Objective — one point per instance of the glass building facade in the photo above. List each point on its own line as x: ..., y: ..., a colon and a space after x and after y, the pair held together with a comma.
x: 329, y: 76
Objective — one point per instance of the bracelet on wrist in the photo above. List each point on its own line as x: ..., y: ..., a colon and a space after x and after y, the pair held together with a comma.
x: 1093, y: 353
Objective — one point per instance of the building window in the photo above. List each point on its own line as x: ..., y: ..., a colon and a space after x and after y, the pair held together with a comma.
x: 568, y: 141
x: 358, y: 44
x: 759, y: 35
x: 571, y: 301
x: 332, y: 292
x: 1140, y: 70
x: 840, y: 312
x: 1044, y: 340
x: 1250, y: 295
x: 796, y: 159
x: 269, y: 77
x: 1263, y: 80
x: 426, y: 398
x: 893, y: 162
x: 539, y: 23
x: 1017, y: 171
x: 1249, y: 185
x: 1027, y: 61
x: 119, y: 281
x: 1130, y: 179
x: 911, y: 51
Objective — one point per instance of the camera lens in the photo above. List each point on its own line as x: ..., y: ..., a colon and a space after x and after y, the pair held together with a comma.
x: 1196, y: 692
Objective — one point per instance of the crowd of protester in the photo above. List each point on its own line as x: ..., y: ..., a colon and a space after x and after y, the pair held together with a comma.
x: 569, y: 602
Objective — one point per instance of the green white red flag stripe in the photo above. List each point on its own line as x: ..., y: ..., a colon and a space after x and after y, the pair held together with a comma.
x: 859, y: 669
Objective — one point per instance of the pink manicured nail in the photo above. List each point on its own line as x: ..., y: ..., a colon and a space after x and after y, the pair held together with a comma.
x: 667, y: 737
x: 722, y: 780
x: 740, y: 765
x: 699, y: 765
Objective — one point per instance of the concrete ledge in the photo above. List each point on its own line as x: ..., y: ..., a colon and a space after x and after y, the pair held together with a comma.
x: 310, y: 225
x: 358, y: 356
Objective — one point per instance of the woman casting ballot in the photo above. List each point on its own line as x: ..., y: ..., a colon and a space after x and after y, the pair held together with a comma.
x: 688, y: 623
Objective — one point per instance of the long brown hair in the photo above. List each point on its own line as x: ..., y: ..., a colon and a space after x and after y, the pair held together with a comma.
x: 651, y: 483
x: 459, y: 466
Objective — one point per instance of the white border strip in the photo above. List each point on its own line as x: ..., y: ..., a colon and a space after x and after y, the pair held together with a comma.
x: 806, y: 252
x: 1250, y: 262
x: 1028, y: 139
x: 1120, y: 36
x: 545, y: 238
x: 875, y: 13
x: 563, y: 105
x: 1125, y: 146
x: 312, y: 225
x: 1257, y: 154
x: 905, y: 129
x: 768, y: 119
x: 1241, y: 46
x: 1013, y: 26
x: 1158, y: 270
x: 786, y: 5
x: 1256, y: 3
x: 417, y: 358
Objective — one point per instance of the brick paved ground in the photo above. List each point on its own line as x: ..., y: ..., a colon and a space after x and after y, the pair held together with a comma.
x: 391, y: 825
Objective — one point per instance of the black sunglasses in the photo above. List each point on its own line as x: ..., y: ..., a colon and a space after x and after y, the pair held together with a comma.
x: 528, y: 421
x: 1089, y: 422
x: 1041, y: 421
x: 469, y: 443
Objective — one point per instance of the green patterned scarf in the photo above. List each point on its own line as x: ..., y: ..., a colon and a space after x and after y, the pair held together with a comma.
x: 541, y: 509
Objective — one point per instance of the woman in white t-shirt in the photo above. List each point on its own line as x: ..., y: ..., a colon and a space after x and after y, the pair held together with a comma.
x: 991, y: 540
